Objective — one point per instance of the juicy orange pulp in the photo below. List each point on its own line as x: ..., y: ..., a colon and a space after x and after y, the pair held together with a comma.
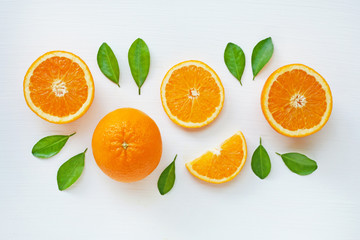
x: 296, y: 100
x: 192, y: 94
x: 221, y: 164
x: 59, y: 87
x: 199, y: 92
x: 62, y: 82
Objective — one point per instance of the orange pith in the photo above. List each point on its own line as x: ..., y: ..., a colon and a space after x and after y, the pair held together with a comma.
x: 192, y: 94
x: 223, y: 164
x: 296, y: 100
x: 59, y: 87
x: 127, y: 145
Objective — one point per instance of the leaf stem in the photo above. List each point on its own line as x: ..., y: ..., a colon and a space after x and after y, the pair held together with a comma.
x: 85, y: 150
x: 72, y: 134
x: 278, y: 154
x: 175, y: 158
x: 139, y: 91
x: 260, y: 141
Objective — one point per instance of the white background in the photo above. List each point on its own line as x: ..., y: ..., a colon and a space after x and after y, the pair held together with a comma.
x: 321, y: 34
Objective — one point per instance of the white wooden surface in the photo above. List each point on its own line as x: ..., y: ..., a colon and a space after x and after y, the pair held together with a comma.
x: 322, y: 34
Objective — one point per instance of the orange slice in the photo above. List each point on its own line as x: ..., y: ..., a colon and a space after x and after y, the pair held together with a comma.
x: 296, y: 100
x: 221, y: 164
x: 58, y: 87
x: 192, y: 94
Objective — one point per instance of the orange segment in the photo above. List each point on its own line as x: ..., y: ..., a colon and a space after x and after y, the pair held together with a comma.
x: 59, y: 87
x: 296, y: 100
x: 192, y: 94
x: 221, y: 164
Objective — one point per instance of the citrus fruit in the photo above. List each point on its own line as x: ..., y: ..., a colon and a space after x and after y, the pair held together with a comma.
x: 192, y: 94
x: 127, y: 145
x: 58, y: 87
x: 221, y: 164
x: 296, y: 100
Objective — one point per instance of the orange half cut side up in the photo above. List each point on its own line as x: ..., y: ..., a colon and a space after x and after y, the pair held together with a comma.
x: 296, y: 100
x: 192, y: 94
x: 59, y: 87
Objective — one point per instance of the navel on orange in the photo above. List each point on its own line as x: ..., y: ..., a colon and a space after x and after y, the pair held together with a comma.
x: 192, y: 94
x: 296, y: 100
x: 58, y: 87
x: 127, y: 145
x: 221, y: 164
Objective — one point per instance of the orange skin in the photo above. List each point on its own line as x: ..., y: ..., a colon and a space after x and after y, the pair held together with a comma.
x: 127, y: 145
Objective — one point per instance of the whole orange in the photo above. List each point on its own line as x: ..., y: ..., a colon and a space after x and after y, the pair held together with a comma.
x: 127, y: 145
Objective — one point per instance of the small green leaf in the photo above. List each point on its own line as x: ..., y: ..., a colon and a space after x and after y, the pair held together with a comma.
x: 70, y: 171
x: 260, y: 162
x: 108, y: 63
x: 167, y: 178
x: 139, y: 61
x: 261, y: 54
x: 235, y: 60
x: 49, y: 146
x: 298, y: 163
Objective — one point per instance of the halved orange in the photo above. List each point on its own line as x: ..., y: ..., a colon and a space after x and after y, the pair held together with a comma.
x: 58, y: 87
x: 192, y: 94
x: 296, y: 100
x: 221, y: 164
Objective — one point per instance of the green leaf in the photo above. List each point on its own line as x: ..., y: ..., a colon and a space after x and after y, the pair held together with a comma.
x: 70, y: 171
x: 108, y: 63
x: 260, y: 162
x: 49, y: 146
x: 235, y: 60
x: 298, y: 163
x: 261, y: 55
x: 167, y: 178
x: 139, y: 61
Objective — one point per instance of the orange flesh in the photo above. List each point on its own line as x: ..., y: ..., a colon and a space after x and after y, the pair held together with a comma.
x: 309, y: 112
x: 223, y: 165
x: 192, y: 94
x: 63, y: 83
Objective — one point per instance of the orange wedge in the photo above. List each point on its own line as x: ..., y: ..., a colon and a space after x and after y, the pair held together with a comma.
x: 58, y: 87
x: 192, y: 94
x: 296, y: 100
x: 221, y: 164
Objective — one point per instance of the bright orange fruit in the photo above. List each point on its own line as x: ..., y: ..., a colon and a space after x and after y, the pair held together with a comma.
x: 192, y: 94
x: 221, y: 164
x: 296, y: 100
x: 58, y: 87
x: 127, y: 145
